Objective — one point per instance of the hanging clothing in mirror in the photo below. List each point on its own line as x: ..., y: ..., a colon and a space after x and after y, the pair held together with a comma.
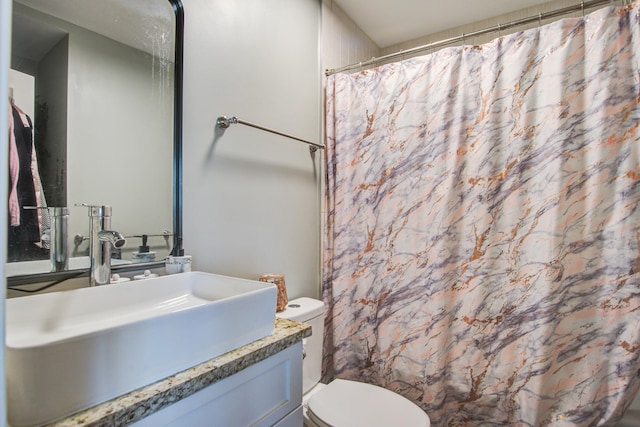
x: 26, y: 226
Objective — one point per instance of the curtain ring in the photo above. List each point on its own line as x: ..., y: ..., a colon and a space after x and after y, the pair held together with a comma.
x: 539, y: 19
x: 582, y: 7
x: 464, y: 42
x: 499, y: 30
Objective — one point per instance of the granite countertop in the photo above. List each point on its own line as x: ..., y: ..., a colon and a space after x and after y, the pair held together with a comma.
x: 144, y: 401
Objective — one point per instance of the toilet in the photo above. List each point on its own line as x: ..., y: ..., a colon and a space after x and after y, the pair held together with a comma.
x: 344, y: 403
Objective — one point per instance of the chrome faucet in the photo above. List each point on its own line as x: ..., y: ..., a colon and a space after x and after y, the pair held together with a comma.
x: 59, y: 250
x: 101, y: 239
x: 57, y: 236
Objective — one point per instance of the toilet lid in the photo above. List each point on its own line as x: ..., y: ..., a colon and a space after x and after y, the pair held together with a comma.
x: 356, y: 404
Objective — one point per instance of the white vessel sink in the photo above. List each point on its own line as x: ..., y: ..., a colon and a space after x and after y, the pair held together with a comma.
x: 70, y: 350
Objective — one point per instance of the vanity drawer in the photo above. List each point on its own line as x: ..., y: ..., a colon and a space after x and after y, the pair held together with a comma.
x: 260, y: 395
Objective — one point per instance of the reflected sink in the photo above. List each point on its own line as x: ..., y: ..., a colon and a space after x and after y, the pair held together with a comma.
x: 67, y: 351
x: 44, y: 265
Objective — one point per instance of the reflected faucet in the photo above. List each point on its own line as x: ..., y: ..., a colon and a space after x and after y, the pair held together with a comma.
x: 101, y: 239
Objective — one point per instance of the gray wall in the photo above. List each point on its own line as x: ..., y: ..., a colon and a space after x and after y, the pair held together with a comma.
x: 251, y: 199
x: 118, y: 138
x: 51, y: 93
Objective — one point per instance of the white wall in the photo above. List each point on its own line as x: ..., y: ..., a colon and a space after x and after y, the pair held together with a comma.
x: 251, y: 199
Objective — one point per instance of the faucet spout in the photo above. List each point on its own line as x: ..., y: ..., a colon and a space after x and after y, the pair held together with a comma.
x: 116, y: 239
x: 101, y: 239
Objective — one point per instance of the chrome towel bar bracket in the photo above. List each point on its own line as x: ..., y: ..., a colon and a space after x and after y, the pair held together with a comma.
x: 224, y: 121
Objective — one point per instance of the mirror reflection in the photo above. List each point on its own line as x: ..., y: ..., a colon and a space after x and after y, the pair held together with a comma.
x: 91, y: 95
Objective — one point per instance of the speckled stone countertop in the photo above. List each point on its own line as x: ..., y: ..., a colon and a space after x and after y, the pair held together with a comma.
x: 144, y: 401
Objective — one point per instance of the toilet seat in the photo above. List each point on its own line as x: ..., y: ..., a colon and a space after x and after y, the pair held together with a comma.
x: 355, y: 404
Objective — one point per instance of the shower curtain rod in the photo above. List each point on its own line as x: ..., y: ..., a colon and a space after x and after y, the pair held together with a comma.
x: 224, y: 122
x: 539, y: 17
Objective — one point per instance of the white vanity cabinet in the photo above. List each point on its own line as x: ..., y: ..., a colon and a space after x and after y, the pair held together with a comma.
x: 267, y: 393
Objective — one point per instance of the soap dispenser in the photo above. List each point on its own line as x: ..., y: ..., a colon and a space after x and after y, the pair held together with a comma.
x: 143, y: 254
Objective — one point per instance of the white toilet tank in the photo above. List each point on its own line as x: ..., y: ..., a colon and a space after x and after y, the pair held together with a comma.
x: 311, y: 311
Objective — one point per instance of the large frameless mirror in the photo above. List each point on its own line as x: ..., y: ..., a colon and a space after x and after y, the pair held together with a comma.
x: 95, y: 95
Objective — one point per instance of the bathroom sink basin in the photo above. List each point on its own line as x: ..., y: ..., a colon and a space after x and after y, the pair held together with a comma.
x: 70, y: 350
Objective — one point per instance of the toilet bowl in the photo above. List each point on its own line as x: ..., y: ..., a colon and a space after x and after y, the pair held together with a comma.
x: 344, y: 403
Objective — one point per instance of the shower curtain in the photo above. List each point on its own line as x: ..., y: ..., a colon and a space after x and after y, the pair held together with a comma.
x: 482, y: 240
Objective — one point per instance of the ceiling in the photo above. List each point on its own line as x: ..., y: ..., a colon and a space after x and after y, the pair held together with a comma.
x: 389, y: 22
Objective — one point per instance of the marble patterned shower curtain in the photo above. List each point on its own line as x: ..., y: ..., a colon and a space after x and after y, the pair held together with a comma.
x: 482, y: 246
